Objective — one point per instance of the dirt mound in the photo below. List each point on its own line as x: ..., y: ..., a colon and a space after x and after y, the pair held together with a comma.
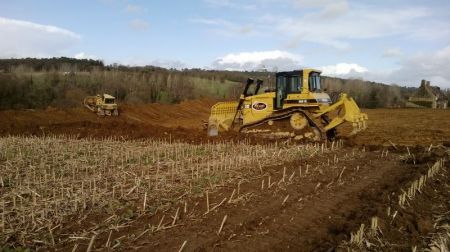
x: 394, y: 128
x: 182, y: 120
x: 187, y: 114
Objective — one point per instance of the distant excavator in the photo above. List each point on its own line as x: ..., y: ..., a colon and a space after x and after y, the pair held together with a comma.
x: 103, y: 105
x: 298, y: 108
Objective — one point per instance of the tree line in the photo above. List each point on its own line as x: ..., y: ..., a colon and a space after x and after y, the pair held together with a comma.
x: 62, y: 64
x: 64, y: 82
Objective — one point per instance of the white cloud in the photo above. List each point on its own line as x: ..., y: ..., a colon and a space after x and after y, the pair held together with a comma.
x: 106, y: 1
x: 392, y: 52
x: 139, y: 25
x: 329, y: 9
x: 136, y: 9
x: 83, y: 55
x: 333, y: 23
x: 343, y: 69
x: 314, y: 3
x: 137, y: 61
x: 211, y: 21
x: 432, y: 66
x: 27, y: 39
x: 177, y: 64
x: 357, y: 22
x: 230, y: 4
x: 271, y: 60
x: 224, y: 27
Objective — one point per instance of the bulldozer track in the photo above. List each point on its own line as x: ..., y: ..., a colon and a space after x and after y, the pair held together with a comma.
x: 286, y: 114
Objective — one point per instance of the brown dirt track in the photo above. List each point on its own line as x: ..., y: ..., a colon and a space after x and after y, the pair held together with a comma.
x: 321, y: 209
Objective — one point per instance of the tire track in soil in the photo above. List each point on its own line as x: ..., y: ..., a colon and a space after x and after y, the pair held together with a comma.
x: 414, y: 224
x: 313, y: 219
x: 319, y: 223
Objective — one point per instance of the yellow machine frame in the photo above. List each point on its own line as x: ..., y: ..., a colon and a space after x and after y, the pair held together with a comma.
x: 308, y: 99
x: 102, y: 104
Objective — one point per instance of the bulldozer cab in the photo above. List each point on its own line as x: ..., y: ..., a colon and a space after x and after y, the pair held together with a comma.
x: 108, y: 99
x: 296, y: 82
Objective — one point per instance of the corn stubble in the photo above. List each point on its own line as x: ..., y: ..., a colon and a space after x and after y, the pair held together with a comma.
x: 361, y: 239
x: 47, y: 181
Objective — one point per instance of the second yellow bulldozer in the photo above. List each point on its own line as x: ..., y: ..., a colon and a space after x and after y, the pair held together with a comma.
x: 298, y: 108
x: 103, y: 105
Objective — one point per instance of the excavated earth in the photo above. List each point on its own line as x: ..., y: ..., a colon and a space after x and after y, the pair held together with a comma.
x: 184, y: 121
x: 313, y: 212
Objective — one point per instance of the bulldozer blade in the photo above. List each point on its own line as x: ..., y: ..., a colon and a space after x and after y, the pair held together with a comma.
x: 350, y: 114
x: 222, y: 117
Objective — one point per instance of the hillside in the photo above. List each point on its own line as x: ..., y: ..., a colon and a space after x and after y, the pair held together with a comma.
x: 63, y: 82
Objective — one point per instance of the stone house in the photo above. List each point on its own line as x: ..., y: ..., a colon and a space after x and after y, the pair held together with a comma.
x: 429, y: 96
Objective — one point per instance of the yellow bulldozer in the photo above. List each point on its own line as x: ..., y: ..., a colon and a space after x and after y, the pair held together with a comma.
x: 103, y: 105
x: 297, y: 108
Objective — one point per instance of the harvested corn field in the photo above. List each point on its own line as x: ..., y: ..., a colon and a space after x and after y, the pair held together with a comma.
x: 224, y: 125
x: 47, y: 181
x: 67, y: 185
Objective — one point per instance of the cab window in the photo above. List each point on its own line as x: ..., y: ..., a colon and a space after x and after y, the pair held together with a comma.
x: 314, y: 82
x: 281, y: 91
x: 109, y: 101
x: 295, y: 85
x: 291, y: 84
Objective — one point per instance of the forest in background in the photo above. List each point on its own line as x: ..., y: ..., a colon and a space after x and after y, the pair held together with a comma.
x: 64, y: 82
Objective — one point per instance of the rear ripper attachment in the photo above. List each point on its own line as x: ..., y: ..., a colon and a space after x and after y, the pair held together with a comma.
x: 297, y: 109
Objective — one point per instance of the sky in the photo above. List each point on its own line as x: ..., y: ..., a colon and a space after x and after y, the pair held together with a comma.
x: 401, y: 41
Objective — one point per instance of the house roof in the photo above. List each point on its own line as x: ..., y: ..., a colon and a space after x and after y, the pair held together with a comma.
x: 427, y: 91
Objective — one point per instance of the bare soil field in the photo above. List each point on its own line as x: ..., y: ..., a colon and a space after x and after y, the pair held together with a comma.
x: 406, y: 127
x: 387, y: 127
x: 183, y: 120
x: 150, y: 180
